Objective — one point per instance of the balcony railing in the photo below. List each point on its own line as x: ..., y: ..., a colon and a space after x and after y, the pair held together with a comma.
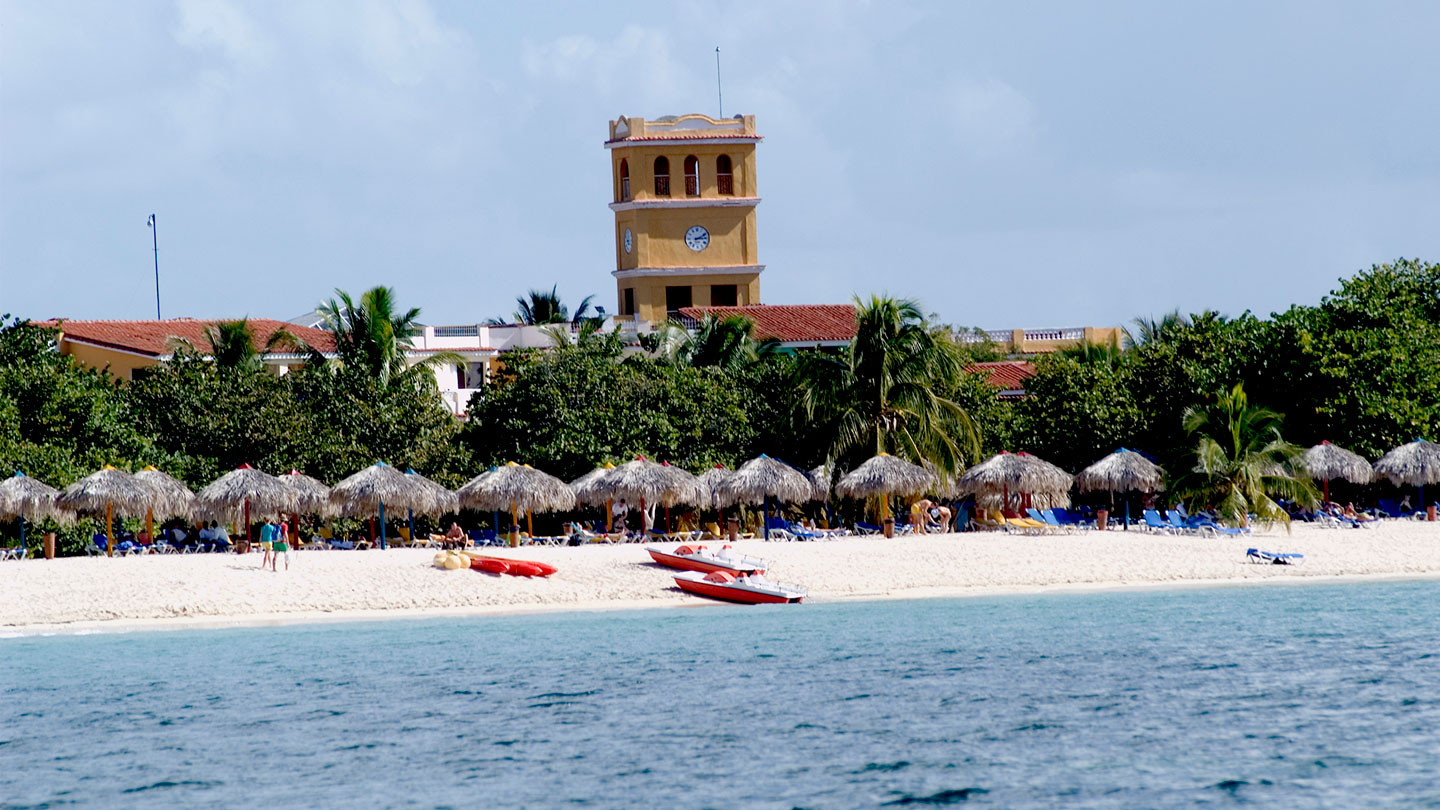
x: 662, y: 186
x: 692, y: 186
x: 725, y: 183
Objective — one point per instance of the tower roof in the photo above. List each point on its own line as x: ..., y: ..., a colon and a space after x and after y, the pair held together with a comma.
x: 687, y: 128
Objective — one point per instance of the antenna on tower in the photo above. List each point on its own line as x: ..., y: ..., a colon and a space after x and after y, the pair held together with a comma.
x: 719, y: 96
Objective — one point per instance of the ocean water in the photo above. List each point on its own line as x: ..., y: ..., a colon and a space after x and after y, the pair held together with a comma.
x: 1309, y: 697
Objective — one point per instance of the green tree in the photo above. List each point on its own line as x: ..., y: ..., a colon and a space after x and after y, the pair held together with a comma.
x: 1076, y: 412
x: 1240, y: 461
x: 886, y: 393
x: 232, y: 344
x: 373, y: 335
x: 538, y: 308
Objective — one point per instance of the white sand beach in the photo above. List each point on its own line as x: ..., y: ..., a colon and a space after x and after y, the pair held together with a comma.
x: 83, y: 594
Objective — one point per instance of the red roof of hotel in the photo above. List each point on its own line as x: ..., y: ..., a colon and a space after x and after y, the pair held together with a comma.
x: 1007, y: 375
x: 154, y: 337
x: 790, y: 322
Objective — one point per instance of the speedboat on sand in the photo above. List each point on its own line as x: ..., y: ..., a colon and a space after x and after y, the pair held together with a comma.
x: 751, y: 590
x: 699, y: 558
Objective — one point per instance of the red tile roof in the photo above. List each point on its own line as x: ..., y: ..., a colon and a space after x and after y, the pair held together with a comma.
x: 790, y: 322
x: 1006, y: 375
x: 690, y: 135
x: 154, y: 337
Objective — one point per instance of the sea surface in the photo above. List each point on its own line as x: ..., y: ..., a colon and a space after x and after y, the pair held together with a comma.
x: 1311, y: 696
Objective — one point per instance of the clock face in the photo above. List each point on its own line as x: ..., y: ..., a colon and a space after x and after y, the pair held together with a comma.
x: 697, y: 238
x: 629, y: 240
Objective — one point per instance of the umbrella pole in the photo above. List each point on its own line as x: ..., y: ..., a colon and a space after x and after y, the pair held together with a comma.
x: 247, y: 522
x: 609, y: 521
x: 382, y: 525
x: 22, y: 532
x: 668, y: 525
x: 150, y: 524
x: 1127, y: 514
x: 412, y: 527
x: 109, y: 530
x: 530, y: 523
x: 765, y: 504
x: 1327, y: 490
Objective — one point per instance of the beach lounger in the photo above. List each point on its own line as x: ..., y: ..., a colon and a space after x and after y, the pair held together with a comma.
x: 867, y: 528
x: 1051, y: 520
x: 341, y: 545
x: 17, y: 553
x: 1155, y: 523
x: 1258, y: 557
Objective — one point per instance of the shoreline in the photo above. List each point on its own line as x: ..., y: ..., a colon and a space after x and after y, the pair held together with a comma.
x: 316, y: 618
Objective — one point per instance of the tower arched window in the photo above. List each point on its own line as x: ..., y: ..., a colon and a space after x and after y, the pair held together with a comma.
x: 624, y: 180
x: 662, y: 177
x: 692, y: 177
x: 724, y: 177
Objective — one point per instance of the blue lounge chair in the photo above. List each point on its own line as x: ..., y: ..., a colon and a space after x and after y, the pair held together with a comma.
x: 1155, y: 523
x: 962, y: 518
x: 867, y: 528
x: 1049, y: 518
x: 1258, y: 557
x: 17, y: 553
x: 1068, y: 518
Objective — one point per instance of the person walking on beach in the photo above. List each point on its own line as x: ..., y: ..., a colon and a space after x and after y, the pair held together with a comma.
x: 281, y: 546
x: 267, y: 542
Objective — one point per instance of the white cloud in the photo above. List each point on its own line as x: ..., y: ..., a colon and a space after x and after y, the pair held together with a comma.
x: 206, y: 24
x: 987, y: 117
x: 636, y: 66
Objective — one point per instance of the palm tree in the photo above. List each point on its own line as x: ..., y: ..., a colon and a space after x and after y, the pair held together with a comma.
x: 888, y: 392
x: 1150, y: 330
x: 1241, y: 462
x: 232, y: 344
x: 727, y: 343
x: 538, y: 308
x: 373, y: 336
x: 1088, y: 353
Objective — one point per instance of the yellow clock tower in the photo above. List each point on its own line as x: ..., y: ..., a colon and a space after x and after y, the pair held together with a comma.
x: 684, y: 202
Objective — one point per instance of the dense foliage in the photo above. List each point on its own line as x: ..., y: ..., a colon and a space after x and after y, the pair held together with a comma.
x: 1360, y: 368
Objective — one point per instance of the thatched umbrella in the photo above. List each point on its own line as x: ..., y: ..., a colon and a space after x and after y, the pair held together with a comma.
x: 819, y: 483
x: 712, y: 479
x: 520, y: 487
x: 366, y: 493
x: 241, y: 490
x: 435, y: 500
x: 111, y: 489
x: 1326, y: 461
x: 1416, y: 463
x: 1020, y: 472
x: 885, y: 475
x: 685, y: 487
x: 172, y: 497
x: 588, y: 491
x: 1122, y: 471
x: 643, y: 480
x: 24, y: 497
x: 312, y: 497
x: 762, y: 478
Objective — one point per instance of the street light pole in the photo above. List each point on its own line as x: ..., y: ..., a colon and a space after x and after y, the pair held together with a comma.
x: 155, y: 245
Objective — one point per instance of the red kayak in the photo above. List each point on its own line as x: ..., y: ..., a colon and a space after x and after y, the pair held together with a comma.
x: 752, y: 590
x: 515, y: 568
x: 699, y: 558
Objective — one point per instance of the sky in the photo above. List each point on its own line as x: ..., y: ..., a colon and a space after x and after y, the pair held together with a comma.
x: 1008, y: 165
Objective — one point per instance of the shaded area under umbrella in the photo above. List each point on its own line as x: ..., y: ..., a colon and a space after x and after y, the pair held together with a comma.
x: 107, y: 489
x: 27, y: 498
x: 366, y: 493
x: 1122, y: 471
x: 885, y: 475
x: 1416, y: 464
x: 1022, y: 473
x: 520, y: 487
x: 172, y: 497
x: 434, y: 499
x: 762, y: 478
x: 642, y: 480
x: 235, y: 494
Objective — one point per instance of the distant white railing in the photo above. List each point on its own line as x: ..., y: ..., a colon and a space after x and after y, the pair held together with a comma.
x: 1076, y: 334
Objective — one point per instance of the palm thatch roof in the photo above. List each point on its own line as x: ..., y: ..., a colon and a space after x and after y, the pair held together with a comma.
x: 378, y: 486
x: 711, y: 479
x: 645, y: 480
x: 438, y: 499
x: 885, y: 475
x: 1327, y: 462
x: 1416, y: 463
x: 1122, y: 471
x: 765, y: 477
x: 1014, y: 471
x: 819, y: 483
x: 227, y: 497
x: 107, y: 487
x: 517, y: 488
x: 28, y: 498
x: 588, y: 488
x: 172, y: 497
x: 995, y: 499
x: 312, y: 497
x: 946, y: 485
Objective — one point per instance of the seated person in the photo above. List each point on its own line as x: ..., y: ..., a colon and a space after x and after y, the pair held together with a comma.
x: 177, y: 536
x: 143, y: 537
x: 219, y: 536
x: 1350, y: 513
x: 455, y: 537
x: 206, y: 533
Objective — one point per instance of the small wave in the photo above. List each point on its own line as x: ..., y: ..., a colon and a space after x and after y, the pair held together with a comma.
x: 565, y: 694
x: 943, y: 797
x: 884, y: 766
x: 1234, y: 785
x: 168, y: 784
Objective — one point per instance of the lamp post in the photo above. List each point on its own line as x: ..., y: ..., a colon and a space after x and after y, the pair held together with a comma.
x: 155, y: 245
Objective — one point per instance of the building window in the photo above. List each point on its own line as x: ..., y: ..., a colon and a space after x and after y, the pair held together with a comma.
x: 662, y: 177
x: 676, y: 299
x: 692, y: 177
x: 724, y: 179
x: 628, y: 307
x: 624, y: 180
x: 724, y: 295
